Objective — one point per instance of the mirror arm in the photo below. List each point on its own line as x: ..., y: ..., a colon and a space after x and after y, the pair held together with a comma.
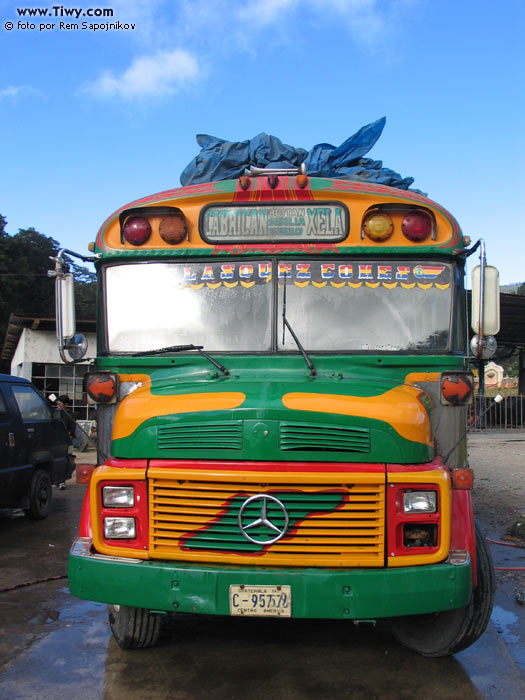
x: 483, y: 264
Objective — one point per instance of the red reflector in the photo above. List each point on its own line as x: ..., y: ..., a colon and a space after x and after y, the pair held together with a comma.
x: 173, y: 229
x: 417, y: 226
x: 136, y: 230
x: 84, y: 473
x: 462, y: 478
x: 101, y: 387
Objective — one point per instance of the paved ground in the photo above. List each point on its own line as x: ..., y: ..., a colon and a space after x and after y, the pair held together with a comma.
x: 55, y: 646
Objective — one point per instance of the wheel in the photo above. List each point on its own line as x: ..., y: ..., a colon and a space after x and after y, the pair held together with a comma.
x: 445, y: 633
x: 40, y: 494
x: 133, y: 628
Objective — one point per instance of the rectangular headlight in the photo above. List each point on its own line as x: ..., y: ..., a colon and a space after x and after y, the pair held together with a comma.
x: 118, y: 496
x: 419, y: 502
x: 119, y: 528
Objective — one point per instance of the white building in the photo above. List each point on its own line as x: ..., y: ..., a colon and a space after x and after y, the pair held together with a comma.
x: 31, y: 348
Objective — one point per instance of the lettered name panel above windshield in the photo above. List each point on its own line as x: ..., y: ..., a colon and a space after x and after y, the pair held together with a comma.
x: 332, y: 306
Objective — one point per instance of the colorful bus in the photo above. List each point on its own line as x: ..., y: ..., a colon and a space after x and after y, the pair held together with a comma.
x: 282, y: 382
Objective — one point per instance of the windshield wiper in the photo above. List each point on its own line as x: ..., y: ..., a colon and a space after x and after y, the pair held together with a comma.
x: 286, y: 324
x: 183, y: 348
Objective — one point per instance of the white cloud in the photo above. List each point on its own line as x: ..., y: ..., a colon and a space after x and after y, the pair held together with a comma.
x: 16, y: 91
x: 265, y: 12
x: 163, y: 73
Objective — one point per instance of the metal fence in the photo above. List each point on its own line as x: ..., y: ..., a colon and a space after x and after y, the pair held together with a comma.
x: 486, y: 414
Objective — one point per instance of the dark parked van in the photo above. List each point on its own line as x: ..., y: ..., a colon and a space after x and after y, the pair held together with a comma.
x: 35, y: 450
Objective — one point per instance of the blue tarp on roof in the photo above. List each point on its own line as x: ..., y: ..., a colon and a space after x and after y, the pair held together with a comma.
x: 227, y: 160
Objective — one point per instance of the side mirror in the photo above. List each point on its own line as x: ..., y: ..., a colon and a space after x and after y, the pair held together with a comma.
x: 485, y: 318
x: 68, y: 339
x: 65, y: 307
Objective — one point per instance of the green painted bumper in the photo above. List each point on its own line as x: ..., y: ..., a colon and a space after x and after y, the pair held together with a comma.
x: 316, y: 593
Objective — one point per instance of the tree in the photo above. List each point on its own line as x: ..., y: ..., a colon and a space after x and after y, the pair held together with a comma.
x: 25, y: 288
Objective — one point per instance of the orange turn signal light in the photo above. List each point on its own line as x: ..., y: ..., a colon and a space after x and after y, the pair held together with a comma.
x: 173, y: 229
x: 456, y: 388
x: 462, y: 479
x: 101, y: 387
x: 378, y: 226
x: 84, y: 472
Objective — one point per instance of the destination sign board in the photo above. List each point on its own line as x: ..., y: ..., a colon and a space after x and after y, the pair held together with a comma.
x: 265, y: 223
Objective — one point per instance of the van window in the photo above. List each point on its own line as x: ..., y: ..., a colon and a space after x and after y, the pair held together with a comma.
x: 3, y: 408
x: 32, y: 406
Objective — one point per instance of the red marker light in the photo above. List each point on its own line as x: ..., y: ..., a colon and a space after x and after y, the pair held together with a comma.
x: 417, y: 226
x: 136, y: 230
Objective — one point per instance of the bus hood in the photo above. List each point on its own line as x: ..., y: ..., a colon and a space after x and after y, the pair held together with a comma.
x: 283, y: 420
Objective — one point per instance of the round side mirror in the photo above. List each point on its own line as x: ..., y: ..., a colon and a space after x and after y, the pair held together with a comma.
x: 77, y: 346
x: 489, y: 347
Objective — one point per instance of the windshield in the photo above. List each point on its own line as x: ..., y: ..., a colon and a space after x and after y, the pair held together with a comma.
x: 379, y: 306
x: 152, y: 305
x: 369, y: 306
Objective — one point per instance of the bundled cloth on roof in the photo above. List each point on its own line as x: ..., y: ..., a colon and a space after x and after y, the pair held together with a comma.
x: 227, y: 160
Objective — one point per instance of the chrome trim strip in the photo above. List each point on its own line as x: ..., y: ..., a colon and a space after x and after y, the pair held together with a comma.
x: 83, y: 547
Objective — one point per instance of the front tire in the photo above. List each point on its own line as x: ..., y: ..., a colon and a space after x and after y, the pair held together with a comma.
x: 40, y: 495
x: 133, y: 628
x: 448, y: 632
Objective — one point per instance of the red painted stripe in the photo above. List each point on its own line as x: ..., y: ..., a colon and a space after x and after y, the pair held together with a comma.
x: 278, y: 467
x: 437, y: 463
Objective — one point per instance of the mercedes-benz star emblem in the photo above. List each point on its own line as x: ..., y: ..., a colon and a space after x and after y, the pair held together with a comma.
x: 263, y: 519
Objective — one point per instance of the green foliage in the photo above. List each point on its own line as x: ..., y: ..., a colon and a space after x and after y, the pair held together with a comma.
x: 25, y: 288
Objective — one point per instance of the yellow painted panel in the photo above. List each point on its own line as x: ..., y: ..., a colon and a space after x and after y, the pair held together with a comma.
x: 142, y: 404
x: 399, y: 407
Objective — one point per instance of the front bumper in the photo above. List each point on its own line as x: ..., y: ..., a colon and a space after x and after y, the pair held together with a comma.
x: 316, y: 592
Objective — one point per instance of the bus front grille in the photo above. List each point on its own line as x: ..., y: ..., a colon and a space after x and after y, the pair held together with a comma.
x: 329, y: 523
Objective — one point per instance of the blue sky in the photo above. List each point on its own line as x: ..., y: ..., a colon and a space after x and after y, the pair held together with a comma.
x: 91, y: 120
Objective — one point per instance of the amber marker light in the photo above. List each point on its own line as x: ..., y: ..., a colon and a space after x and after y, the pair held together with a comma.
x: 101, y: 387
x: 136, y: 230
x: 173, y: 229
x: 302, y: 180
x: 378, y: 226
x: 417, y: 226
x: 244, y: 182
x: 462, y: 479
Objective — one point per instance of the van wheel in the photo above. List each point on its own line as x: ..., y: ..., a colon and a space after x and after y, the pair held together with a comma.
x: 133, y: 628
x: 445, y: 633
x: 40, y: 494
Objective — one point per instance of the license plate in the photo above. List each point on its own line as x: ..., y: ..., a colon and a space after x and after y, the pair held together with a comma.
x: 261, y: 601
